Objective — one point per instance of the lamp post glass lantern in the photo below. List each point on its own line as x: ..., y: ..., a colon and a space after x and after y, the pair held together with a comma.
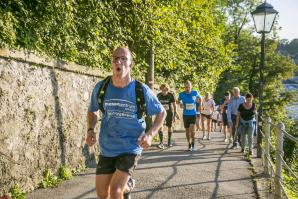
x: 263, y: 17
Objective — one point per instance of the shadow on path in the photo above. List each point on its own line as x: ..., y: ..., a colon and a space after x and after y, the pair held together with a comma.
x: 217, y: 173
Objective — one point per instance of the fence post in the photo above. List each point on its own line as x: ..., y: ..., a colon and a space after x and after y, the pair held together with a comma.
x: 279, y: 155
x: 267, y: 146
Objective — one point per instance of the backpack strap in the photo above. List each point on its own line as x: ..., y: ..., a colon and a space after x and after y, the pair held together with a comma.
x: 140, y: 100
x: 102, y: 92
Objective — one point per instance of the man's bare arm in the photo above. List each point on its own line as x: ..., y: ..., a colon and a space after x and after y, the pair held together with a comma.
x: 92, y: 119
x: 146, y: 139
x: 91, y: 122
x: 158, y: 121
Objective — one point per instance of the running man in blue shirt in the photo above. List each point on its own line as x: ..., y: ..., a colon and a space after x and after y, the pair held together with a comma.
x: 122, y: 137
x: 188, y: 98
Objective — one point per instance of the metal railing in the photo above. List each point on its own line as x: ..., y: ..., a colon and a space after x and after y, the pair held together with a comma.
x: 274, y: 170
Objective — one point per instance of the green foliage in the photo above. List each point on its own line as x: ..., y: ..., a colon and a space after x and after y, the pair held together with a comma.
x: 49, y: 180
x: 292, y: 47
x: 65, y: 173
x: 16, y: 192
x: 291, y: 185
x: 187, y: 35
x: 80, y: 168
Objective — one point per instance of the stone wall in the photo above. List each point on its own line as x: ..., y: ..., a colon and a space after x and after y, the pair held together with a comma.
x: 43, y: 106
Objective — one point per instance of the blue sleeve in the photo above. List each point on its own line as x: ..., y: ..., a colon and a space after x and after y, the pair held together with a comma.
x: 198, y: 95
x: 93, y: 106
x: 229, y: 112
x: 153, y: 105
x: 180, y: 97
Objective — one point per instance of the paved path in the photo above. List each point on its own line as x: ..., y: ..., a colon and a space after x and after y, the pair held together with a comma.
x: 212, y: 171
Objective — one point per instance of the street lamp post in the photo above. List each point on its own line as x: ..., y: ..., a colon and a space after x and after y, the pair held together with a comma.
x: 263, y: 17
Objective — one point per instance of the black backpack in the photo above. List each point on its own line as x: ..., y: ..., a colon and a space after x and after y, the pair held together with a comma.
x: 140, y: 98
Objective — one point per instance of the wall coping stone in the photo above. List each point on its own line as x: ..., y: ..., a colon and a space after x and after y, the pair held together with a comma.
x: 31, y: 58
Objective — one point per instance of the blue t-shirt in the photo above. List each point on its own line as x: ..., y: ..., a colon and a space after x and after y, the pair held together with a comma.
x: 189, y: 102
x: 120, y: 127
x: 233, y: 106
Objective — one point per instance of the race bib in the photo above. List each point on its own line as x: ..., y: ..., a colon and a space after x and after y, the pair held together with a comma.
x: 166, y: 107
x: 189, y: 107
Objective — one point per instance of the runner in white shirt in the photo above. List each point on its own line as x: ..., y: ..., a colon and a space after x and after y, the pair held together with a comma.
x: 207, y: 108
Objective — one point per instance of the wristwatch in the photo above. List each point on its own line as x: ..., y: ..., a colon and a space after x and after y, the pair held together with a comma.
x: 90, y: 129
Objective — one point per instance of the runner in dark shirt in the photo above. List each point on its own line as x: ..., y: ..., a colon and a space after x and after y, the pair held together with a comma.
x: 245, y: 122
x: 167, y: 99
x: 224, y: 107
x: 247, y: 114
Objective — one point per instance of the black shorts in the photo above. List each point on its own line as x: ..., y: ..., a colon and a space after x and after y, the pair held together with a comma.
x: 207, y: 116
x: 188, y: 120
x: 214, y: 121
x: 169, y: 119
x: 198, y: 114
x: 108, y: 165
x: 225, y: 119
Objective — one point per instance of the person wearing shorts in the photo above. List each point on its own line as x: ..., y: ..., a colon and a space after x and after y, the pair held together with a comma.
x: 188, y: 99
x: 224, y: 108
x: 122, y: 134
x: 207, y: 110
x: 167, y: 99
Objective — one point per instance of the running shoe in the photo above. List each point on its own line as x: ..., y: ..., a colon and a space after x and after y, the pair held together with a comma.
x: 204, y: 137
x: 250, y: 152
x: 226, y: 140
x: 161, y: 146
x: 189, y: 147
x: 170, y: 145
x: 233, y: 146
x: 131, y: 185
x: 193, y: 147
x: 231, y: 140
x: 209, y: 138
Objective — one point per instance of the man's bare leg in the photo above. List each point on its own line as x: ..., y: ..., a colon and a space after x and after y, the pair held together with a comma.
x: 203, y: 125
x: 209, y: 121
x: 118, y: 184
x: 102, y: 185
x: 170, y: 132
x: 192, y: 134
x: 198, y: 120
x: 187, y: 135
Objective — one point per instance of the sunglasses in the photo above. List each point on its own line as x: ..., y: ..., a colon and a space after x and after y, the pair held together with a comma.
x: 121, y: 59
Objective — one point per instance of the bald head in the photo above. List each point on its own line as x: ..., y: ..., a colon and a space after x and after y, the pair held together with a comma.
x: 122, y: 50
x: 121, y: 62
